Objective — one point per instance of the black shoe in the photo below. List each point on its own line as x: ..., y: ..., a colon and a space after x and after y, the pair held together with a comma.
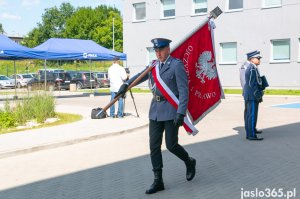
x: 158, y: 184
x: 258, y: 132
x: 255, y: 138
x: 190, y: 169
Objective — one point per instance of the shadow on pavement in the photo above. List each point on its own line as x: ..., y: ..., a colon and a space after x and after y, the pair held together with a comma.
x: 224, y: 166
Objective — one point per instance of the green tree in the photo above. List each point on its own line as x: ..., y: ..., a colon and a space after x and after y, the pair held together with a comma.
x: 1, y: 29
x: 52, y: 25
x: 34, y: 37
x: 103, y: 34
x: 83, y: 23
x: 97, y: 25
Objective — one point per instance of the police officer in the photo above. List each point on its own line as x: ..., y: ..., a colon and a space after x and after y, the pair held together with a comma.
x: 163, y: 117
x: 243, y: 69
x: 253, y: 93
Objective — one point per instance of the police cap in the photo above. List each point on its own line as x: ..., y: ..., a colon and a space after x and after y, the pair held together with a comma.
x: 254, y: 54
x: 160, y: 42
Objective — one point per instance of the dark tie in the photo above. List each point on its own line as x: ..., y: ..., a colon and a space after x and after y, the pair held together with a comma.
x: 161, y: 65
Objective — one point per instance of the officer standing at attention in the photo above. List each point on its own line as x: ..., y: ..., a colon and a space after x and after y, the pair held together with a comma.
x: 163, y: 117
x: 253, y: 93
x: 243, y: 82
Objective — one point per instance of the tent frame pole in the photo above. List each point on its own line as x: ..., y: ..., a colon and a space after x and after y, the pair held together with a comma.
x: 45, y: 73
x: 15, y: 96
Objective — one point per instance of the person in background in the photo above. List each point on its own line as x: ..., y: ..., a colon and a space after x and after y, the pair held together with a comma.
x: 243, y: 69
x: 116, y: 75
x: 253, y: 93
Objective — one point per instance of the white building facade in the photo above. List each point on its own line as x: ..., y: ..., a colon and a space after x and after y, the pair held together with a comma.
x: 271, y: 26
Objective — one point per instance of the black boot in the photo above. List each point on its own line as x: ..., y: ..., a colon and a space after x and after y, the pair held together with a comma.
x: 190, y: 169
x: 158, y: 184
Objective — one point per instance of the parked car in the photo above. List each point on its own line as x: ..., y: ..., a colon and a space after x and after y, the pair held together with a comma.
x: 50, y: 70
x: 6, y: 82
x: 33, y: 75
x: 82, y: 79
x: 102, y: 79
x: 62, y: 81
x: 53, y: 81
x: 22, y: 79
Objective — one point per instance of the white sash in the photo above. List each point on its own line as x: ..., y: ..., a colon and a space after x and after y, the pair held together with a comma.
x: 172, y: 99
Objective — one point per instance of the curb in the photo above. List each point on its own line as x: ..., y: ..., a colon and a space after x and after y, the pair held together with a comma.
x: 67, y: 142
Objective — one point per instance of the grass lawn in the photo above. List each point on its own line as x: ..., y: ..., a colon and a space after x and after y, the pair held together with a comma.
x: 140, y: 90
x: 64, y: 118
x: 267, y: 92
x: 134, y: 90
x: 226, y: 91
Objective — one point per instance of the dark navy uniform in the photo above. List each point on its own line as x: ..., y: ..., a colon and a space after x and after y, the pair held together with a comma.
x: 253, y: 93
x: 162, y: 113
x: 163, y: 117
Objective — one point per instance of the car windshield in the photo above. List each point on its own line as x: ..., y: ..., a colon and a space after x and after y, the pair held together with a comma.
x: 27, y: 76
x: 88, y: 75
x: 100, y: 75
x: 4, y: 78
x: 33, y: 74
x: 59, y: 75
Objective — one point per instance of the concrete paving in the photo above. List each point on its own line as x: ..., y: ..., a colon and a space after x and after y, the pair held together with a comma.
x: 84, y: 130
x: 119, y: 166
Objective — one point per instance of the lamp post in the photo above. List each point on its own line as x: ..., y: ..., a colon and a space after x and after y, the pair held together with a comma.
x: 113, y: 36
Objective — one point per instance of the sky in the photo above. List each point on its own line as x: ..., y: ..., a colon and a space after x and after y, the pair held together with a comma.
x: 19, y: 17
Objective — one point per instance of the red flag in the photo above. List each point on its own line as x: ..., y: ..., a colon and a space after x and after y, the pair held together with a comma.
x: 198, y: 57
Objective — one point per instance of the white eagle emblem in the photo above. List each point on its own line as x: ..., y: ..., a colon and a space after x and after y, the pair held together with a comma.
x: 206, y: 67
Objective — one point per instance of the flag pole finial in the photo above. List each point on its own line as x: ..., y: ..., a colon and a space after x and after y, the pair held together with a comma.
x: 215, y: 12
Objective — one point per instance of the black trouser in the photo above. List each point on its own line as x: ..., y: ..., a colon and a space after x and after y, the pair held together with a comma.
x: 156, y: 130
x: 250, y: 116
x: 245, y: 117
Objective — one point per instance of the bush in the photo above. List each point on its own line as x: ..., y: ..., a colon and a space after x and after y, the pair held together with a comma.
x: 7, y: 120
x: 39, y: 107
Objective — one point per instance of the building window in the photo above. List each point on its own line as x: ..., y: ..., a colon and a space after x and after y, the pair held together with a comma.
x: 228, y: 53
x: 139, y: 11
x: 235, y: 5
x: 271, y: 3
x: 151, y: 55
x: 168, y: 8
x: 199, y: 7
x: 280, y: 50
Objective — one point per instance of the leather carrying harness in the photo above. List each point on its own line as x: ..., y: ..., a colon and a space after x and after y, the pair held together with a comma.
x: 159, y: 98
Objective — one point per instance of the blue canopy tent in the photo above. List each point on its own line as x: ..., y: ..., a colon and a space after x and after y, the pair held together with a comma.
x: 57, y: 49
x: 10, y: 50
x: 76, y: 49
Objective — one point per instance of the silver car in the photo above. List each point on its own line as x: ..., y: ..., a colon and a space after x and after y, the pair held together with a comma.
x: 6, y: 82
x: 22, y: 79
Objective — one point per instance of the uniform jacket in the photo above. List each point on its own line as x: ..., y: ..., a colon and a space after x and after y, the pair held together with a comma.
x: 253, y: 84
x: 175, y: 77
